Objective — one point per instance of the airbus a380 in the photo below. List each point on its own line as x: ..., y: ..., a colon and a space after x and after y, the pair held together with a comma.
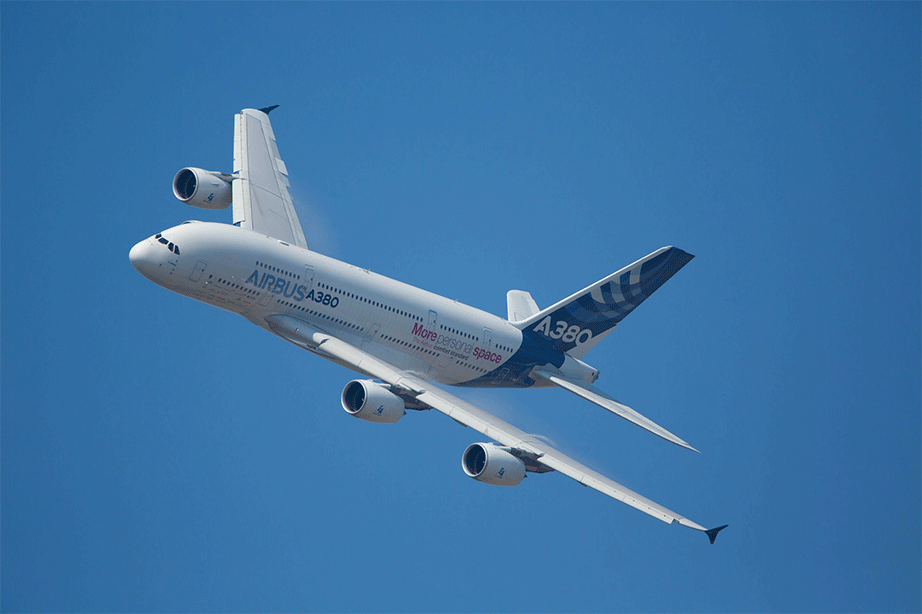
x: 401, y: 339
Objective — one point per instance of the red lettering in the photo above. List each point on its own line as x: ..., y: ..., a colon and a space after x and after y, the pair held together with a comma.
x: 425, y: 334
x: 488, y: 356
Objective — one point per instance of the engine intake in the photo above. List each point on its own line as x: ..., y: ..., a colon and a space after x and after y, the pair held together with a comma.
x: 490, y: 464
x: 372, y: 401
x: 203, y: 189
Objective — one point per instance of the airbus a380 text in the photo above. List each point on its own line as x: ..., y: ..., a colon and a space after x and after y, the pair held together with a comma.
x: 401, y: 339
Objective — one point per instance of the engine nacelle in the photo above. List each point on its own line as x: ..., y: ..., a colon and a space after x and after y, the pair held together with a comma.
x: 203, y: 189
x: 371, y: 401
x: 491, y: 464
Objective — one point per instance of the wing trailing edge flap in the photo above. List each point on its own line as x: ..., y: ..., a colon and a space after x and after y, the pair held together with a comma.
x: 594, y: 395
x: 462, y: 412
x: 261, y: 197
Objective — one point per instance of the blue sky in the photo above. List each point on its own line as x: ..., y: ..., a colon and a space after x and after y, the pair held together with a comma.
x: 161, y: 455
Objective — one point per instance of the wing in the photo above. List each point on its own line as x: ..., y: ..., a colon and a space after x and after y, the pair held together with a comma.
x: 261, y: 198
x: 471, y: 416
x: 594, y: 395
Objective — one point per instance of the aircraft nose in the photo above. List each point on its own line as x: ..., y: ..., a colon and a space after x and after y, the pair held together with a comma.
x: 143, y: 258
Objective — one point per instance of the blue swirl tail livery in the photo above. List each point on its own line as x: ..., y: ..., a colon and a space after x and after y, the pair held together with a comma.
x: 577, y: 323
x: 406, y: 344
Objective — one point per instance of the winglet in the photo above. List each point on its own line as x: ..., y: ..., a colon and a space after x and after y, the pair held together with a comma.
x: 712, y: 533
x: 267, y: 109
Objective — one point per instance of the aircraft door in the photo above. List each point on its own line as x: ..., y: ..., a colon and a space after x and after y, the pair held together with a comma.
x: 487, y: 339
x: 433, y: 318
x: 198, y: 270
x: 308, y: 280
x: 264, y: 298
x: 370, y: 335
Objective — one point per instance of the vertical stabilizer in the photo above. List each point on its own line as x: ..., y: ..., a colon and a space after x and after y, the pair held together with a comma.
x: 576, y: 323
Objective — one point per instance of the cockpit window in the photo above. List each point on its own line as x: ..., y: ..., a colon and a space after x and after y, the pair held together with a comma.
x: 169, y: 245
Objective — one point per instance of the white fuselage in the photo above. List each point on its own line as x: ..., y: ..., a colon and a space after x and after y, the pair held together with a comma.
x: 257, y: 276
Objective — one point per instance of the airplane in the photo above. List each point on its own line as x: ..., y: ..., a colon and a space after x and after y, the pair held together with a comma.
x: 402, y: 340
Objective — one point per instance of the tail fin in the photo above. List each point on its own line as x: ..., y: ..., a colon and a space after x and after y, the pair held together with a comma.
x: 577, y: 323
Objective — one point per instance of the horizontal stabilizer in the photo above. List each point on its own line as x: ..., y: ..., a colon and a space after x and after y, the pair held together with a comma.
x: 593, y: 394
x: 520, y: 305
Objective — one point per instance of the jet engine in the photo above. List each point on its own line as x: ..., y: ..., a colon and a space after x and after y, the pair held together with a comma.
x: 203, y: 189
x: 372, y: 401
x: 491, y: 464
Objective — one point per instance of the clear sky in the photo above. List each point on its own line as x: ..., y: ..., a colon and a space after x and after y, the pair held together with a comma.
x: 160, y: 455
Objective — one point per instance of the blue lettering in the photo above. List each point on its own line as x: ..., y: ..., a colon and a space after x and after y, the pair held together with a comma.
x: 300, y: 293
x: 310, y: 295
x: 253, y: 279
x: 266, y: 281
x: 279, y: 284
x: 286, y: 293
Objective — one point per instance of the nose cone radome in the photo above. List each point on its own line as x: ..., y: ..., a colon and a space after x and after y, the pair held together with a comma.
x: 144, y: 258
